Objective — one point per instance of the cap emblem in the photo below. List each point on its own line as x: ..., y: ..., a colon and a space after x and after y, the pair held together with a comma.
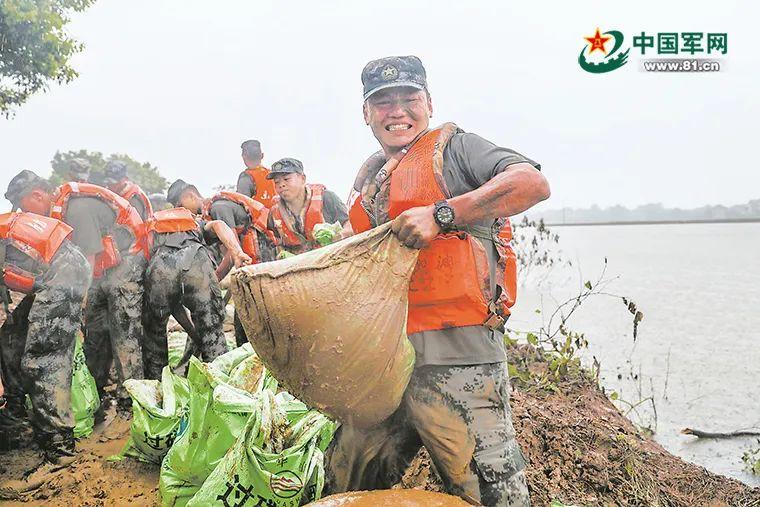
x: 389, y: 73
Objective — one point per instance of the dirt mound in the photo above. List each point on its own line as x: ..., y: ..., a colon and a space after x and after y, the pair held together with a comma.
x: 580, y: 450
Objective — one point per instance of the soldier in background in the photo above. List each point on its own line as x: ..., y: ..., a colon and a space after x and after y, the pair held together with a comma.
x: 299, y: 206
x: 116, y: 180
x: 37, y: 339
x: 253, y: 181
x: 246, y: 216
x: 111, y: 235
x: 78, y: 170
x: 181, y: 273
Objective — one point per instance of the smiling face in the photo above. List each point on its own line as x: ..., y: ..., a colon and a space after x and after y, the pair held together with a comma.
x: 290, y: 186
x: 397, y: 116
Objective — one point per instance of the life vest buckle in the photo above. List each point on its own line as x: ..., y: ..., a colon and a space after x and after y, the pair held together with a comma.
x: 493, y: 320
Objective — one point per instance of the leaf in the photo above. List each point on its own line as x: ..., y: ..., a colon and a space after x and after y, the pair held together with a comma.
x: 587, y: 285
x: 614, y: 395
x: 532, y: 338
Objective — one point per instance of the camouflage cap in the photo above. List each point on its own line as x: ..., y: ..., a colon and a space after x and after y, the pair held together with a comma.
x: 285, y: 166
x: 114, y: 172
x: 393, y: 71
x: 176, y: 189
x: 23, y: 183
x: 79, y: 168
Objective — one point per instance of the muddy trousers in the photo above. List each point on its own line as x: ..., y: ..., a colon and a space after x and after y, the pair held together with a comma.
x: 177, y: 277
x: 113, y: 324
x: 38, y: 348
x: 461, y: 415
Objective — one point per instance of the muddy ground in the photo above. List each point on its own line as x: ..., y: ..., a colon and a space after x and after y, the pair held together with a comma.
x: 580, y: 449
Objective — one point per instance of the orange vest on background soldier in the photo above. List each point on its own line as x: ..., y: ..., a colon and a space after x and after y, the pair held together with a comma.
x: 36, y: 237
x: 283, y: 223
x: 295, y: 230
x: 450, y: 285
x: 264, y: 188
x: 248, y: 234
x: 253, y: 182
x: 127, y: 217
x: 117, y: 181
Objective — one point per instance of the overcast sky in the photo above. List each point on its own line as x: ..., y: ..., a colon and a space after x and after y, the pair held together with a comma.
x: 181, y: 83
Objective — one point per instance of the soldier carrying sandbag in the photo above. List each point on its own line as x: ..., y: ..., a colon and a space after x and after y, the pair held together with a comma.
x: 446, y: 192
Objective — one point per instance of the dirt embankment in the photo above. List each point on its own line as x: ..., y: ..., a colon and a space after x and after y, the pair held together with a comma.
x: 580, y: 449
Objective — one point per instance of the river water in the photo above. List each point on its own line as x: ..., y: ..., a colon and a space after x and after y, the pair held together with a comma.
x: 698, y: 348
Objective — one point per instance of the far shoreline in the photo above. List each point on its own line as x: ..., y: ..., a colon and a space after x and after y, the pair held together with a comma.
x: 657, y: 222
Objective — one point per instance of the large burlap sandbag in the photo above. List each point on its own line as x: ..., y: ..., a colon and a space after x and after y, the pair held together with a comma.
x: 330, y: 324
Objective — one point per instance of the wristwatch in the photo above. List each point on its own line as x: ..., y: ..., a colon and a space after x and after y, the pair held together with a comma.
x: 444, y: 215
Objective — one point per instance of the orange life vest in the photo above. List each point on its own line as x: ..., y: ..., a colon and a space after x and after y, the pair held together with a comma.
x: 34, y: 235
x: 248, y: 235
x: 132, y: 189
x: 290, y: 238
x: 450, y: 284
x: 126, y: 217
x: 264, y: 187
x: 168, y: 221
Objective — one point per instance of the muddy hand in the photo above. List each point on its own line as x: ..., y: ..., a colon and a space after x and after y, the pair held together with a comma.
x: 240, y: 258
x: 416, y: 227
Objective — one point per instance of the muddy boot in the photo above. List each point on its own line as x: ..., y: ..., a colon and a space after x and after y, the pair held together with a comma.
x: 15, y: 428
x: 58, y: 452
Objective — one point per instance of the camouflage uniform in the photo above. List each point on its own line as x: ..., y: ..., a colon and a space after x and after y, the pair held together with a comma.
x: 457, y: 401
x: 176, y: 277
x: 480, y: 462
x: 113, y: 325
x: 38, y: 349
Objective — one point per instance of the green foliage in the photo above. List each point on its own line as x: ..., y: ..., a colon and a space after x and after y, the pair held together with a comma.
x: 751, y: 459
x: 34, y: 48
x: 144, y: 174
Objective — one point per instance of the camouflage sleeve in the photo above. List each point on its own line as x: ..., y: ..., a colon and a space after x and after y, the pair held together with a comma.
x: 246, y: 185
x: 334, y: 209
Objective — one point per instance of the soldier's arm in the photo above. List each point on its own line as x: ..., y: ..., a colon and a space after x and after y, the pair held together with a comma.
x: 230, y: 240
x: 512, y: 191
x: 516, y: 189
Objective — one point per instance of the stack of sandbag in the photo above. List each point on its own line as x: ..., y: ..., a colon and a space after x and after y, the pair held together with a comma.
x: 218, y: 411
x: 157, y: 408
x: 274, y: 462
x: 330, y: 324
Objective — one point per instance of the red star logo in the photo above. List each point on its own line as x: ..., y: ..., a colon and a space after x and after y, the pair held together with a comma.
x: 597, y: 42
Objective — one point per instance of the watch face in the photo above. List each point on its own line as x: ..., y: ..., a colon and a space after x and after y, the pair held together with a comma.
x: 445, y: 215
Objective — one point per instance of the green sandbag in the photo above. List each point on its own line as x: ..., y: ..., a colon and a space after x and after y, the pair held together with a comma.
x: 84, y: 393
x: 216, y: 416
x: 157, y: 408
x: 273, y: 463
x: 176, y: 341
